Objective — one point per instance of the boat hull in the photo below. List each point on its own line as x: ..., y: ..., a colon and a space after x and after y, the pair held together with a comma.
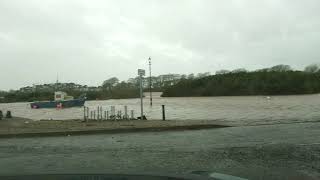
x: 58, y: 104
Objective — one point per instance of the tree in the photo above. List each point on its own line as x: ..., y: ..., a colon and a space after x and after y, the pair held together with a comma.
x: 248, y: 83
x: 183, y: 76
x: 202, y: 75
x: 109, y: 83
x: 280, y: 68
x: 313, y: 68
x: 191, y: 76
x: 240, y: 70
x: 223, y: 71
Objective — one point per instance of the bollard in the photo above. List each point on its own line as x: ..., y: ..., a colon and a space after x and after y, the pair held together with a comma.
x: 94, y: 115
x: 125, y: 113
x: 8, y: 115
x: 107, y: 115
x: 1, y: 115
x: 91, y: 115
x: 84, y: 113
x: 163, y: 113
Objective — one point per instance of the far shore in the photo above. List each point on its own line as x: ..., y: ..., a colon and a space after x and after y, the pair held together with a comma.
x: 21, y: 127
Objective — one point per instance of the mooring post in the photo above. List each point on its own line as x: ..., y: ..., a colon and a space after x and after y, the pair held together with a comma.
x: 163, y: 113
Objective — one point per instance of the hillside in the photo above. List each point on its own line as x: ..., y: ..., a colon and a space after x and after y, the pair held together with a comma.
x: 248, y: 83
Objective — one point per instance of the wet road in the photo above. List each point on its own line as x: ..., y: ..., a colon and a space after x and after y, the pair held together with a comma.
x: 255, y: 152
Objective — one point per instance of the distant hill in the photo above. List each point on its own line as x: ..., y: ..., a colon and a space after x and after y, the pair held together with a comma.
x: 263, y: 82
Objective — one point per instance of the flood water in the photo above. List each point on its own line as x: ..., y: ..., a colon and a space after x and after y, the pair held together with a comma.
x: 240, y: 109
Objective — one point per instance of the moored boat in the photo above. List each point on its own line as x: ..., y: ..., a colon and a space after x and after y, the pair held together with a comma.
x: 61, y: 100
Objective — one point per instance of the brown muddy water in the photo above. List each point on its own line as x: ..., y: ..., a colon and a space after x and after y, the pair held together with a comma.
x: 239, y: 109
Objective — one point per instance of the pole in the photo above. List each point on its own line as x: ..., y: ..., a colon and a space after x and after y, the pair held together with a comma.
x: 84, y: 113
x: 98, y: 112
x: 163, y: 113
x: 150, y: 81
x: 141, y: 98
x: 87, y: 114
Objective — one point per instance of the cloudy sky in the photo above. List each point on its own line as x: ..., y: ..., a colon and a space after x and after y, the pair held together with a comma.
x: 88, y: 41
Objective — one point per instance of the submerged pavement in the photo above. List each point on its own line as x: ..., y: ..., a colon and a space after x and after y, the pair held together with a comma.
x: 287, y: 151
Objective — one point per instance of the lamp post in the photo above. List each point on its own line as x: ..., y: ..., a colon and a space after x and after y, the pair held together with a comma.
x: 150, y: 81
x: 141, y: 73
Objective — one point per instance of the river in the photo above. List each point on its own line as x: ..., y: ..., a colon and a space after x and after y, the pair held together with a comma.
x: 247, y: 110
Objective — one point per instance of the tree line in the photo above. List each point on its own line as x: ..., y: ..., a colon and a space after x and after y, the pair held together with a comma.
x: 119, y: 90
x: 277, y: 80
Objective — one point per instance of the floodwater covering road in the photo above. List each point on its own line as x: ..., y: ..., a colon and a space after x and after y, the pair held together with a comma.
x: 287, y: 151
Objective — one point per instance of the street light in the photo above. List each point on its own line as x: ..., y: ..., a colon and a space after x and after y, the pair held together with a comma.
x: 141, y: 73
x: 150, y: 83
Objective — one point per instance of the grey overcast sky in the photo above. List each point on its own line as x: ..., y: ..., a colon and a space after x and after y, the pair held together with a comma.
x: 88, y: 41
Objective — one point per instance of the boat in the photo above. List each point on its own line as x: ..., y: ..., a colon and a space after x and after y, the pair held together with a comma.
x: 61, y: 100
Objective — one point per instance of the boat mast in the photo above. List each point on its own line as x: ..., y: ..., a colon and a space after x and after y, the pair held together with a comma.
x: 57, y: 81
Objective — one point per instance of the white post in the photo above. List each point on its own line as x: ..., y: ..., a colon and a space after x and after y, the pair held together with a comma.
x: 141, y: 98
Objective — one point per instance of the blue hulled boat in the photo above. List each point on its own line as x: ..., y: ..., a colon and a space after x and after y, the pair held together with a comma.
x: 61, y: 100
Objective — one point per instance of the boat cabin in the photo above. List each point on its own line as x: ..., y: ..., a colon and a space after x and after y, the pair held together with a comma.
x: 62, y: 96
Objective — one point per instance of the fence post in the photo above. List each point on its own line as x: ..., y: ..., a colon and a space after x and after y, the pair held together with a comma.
x: 163, y: 113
